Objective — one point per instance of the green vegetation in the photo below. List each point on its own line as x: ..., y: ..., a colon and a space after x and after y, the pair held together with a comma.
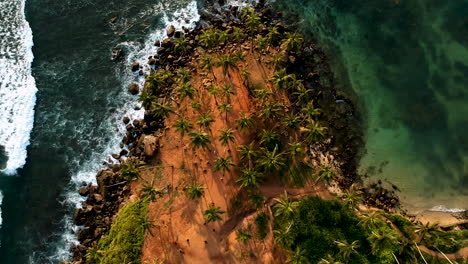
x: 124, y: 242
x: 195, y: 191
x: 213, y: 213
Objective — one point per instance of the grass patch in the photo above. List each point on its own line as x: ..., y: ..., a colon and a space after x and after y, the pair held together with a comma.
x: 124, y: 242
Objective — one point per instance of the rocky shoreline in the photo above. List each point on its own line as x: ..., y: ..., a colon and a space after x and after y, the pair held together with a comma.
x: 142, y: 139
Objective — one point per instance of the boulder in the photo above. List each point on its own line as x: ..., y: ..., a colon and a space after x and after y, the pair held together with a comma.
x: 123, y: 152
x: 157, y: 43
x: 126, y: 120
x: 135, y: 66
x: 178, y: 34
x: 167, y: 43
x: 84, y: 191
x: 133, y: 89
x: 170, y: 31
x: 150, y: 144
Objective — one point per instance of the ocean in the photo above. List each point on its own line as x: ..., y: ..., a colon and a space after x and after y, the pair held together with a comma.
x: 407, y: 61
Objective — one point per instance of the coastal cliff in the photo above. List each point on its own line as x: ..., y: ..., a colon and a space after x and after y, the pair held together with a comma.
x: 243, y: 127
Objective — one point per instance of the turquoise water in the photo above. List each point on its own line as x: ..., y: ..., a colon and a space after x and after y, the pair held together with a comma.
x: 407, y: 60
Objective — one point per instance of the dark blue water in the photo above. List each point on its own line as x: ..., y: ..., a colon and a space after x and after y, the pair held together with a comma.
x: 80, y: 101
x: 407, y: 60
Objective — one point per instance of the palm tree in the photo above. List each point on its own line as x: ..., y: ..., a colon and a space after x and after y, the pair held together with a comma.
x: 161, y: 110
x: 244, y: 122
x: 146, y: 98
x: 293, y: 42
x: 247, y: 153
x: 239, y: 56
x: 249, y: 178
x: 303, y: 95
x: 352, y: 197
x: 243, y: 236
x: 370, y: 221
x: 223, y: 164
x: 299, y: 256
x: 213, y: 213
x: 195, y: 104
x: 205, y: 120
x: 227, y: 62
x: 262, y: 94
x: 310, y: 112
x: 269, y: 139
x: 252, y: 22
x: 292, y: 121
x: 346, y: 250
x: 183, y: 126
x: 150, y: 192
x: 225, y: 108
x: 182, y: 46
x: 329, y: 260
x: 248, y: 11
x: 426, y: 231
x: 281, y: 79
x: 271, y: 111
x: 261, y: 43
x: 279, y: 61
x: 227, y: 91
x: 195, y: 191
x: 325, y: 173
x: 207, y: 63
x: 183, y: 75
x: 186, y: 90
x: 274, y: 37
x: 94, y: 255
x: 283, y: 236
x: 238, y: 34
x: 226, y: 136
x: 256, y: 199
x: 199, y: 139
x: 313, y: 132
x: 382, y: 240
x: 209, y: 38
x: 284, y: 206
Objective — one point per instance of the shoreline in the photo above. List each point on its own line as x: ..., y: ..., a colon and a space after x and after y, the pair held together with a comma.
x: 144, y: 137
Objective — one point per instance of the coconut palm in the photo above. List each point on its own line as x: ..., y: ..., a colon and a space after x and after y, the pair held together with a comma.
x: 94, y: 255
x: 283, y: 236
x: 223, y: 164
x: 352, y: 197
x: 146, y: 98
x: 160, y: 109
x: 262, y: 94
x: 195, y: 191
x: 226, y: 136
x: 299, y: 169
x: 227, y: 62
x: 303, y: 95
x: 279, y: 61
x: 292, y: 42
x: 284, y: 206
x: 207, y: 63
x: 248, y: 11
x: 260, y: 42
x: 209, y: 38
x: 238, y: 34
x: 269, y: 139
x: 244, y: 122
x: 247, y: 153
x: 281, y: 79
x: 239, y: 56
x: 227, y: 91
x: 274, y: 37
x: 325, y: 173
x: 310, y: 112
x: 186, y: 90
x: 313, y: 132
x: 271, y: 111
x: 249, y: 178
x: 346, y: 250
x: 298, y: 256
x: 213, y: 213
x: 199, y: 139
x: 243, y: 236
x: 256, y: 199
x: 205, y: 120
x: 426, y: 231
x: 150, y: 192
x: 382, y: 240
x: 183, y: 126
x: 225, y: 108
x: 370, y: 221
x: 195, y: 104
x: 292, y: 121
x: 271, y: 160
x: 329, y: 260
x: 183, y: 75
x: 252, y: 22
x: 182, y: 46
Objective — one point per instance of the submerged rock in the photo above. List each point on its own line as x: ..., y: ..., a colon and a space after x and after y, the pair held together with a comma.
x: 171, y: 31
x: 133, y: 89
x: 135, y: 66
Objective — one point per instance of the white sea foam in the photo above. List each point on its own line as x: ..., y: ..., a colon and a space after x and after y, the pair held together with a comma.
x: 17, y: 86
x: 441, y: 208
x: 1, y: 199
x: 185, y: 16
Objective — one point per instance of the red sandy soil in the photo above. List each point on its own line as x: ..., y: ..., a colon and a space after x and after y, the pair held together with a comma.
x: 181, y: 235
